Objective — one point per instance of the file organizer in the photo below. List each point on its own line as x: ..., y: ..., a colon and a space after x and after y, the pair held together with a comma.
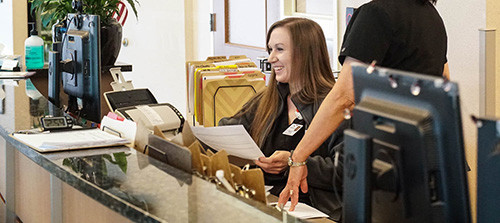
x: 225, y: 96
x: 248, y: 183
x: 213, y: 91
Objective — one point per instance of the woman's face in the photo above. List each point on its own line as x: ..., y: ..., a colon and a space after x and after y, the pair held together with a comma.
x: 280, y: 53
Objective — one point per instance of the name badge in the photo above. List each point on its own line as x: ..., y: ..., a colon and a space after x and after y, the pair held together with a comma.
x: 292, y: 129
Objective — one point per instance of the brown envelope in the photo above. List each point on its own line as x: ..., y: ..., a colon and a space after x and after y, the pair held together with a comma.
x: 207, y: 165
x: 224, y: 97
x: 254, y: 179
x: 221, y: 162
x: 198, y: 87
x: 237, y: 175
x: 196, y: 156
x: 237, y: 57
x: 141, y: 137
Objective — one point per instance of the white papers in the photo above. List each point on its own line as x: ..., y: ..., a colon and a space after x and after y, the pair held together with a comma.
x: 151, y: 115
x: 268, y: 188
x: 303, y: 211
x: 191, y: 89
x: 232, y: 138
x: 72, y: 139
x: 126, y: 128
x: 9, y: 64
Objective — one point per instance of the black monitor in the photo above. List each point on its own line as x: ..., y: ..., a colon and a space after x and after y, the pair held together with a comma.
x: 77, y: 58
x: 488, y: 169
x: 404, y: 157
x: 81, y: 47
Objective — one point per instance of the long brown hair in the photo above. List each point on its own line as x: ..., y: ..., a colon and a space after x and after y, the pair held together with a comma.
x: 310, y: 80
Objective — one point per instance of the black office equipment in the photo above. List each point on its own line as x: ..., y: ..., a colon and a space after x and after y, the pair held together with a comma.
x: 81, y: 66
x: 488, y: 170
x: 404, y: 158
x: 134, y: 97
x: 75, y: 59
x: 127, y: 104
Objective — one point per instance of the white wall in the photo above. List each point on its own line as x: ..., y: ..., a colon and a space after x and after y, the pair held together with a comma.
x: 199, y: 39
x: 13, y: 32
x: 463, y: 21
x: 13, y: 28
x: 493, y: 21
x: 166, y: 35
x: 157, y: 50
x: 6, y: 37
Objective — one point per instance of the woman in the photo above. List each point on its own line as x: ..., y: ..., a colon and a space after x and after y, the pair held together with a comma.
x: 278, y: 117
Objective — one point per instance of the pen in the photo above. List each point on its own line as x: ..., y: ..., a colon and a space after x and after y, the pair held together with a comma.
x: 220, y: 175
x: 30, y: 131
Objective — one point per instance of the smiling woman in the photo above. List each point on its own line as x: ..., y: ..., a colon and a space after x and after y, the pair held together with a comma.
x: 278, y: 117
x: 280, y: 53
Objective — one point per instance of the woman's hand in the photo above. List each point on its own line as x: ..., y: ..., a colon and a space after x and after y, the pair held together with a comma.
x: 297, y: 176
x: 274, y: 164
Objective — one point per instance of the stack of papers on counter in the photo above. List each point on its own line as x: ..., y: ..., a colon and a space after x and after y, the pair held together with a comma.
x: 69, y: 140
x: 303, y: 211
x: 15, y: 75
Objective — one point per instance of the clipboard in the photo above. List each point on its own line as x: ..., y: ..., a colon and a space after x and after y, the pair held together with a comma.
x: 15, y: 75
x: 69, y: 140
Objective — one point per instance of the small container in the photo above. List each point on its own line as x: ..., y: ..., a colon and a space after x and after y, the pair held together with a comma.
x: 33, y: 51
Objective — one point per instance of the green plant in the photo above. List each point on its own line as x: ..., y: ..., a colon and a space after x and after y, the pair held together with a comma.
x: 53, y: 10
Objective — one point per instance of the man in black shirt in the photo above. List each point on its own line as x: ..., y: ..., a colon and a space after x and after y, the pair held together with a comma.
x: 400, y: 34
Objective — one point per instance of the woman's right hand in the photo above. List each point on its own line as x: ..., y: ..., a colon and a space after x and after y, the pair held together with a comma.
x: 274, y: 164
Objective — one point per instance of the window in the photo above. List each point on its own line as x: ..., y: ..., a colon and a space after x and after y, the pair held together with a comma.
x: 314, y: 7
x: 324, y: 12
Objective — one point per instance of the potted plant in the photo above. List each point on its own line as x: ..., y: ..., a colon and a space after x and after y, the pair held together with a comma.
x: 111, y: 31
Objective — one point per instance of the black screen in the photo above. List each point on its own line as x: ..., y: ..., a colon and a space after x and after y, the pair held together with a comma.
x: 81, y: 66
x: 404, y: 157
x: 488, y: 170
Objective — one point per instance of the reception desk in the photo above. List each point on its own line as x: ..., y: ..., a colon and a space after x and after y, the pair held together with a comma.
x: 104, y: 185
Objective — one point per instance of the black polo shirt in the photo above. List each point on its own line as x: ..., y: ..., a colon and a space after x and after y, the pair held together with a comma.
x: 400, y: 34
x: 276, y: 140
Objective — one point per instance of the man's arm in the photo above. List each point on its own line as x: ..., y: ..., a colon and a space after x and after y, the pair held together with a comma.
x: 446, y: 71
x: 329, y: 115
x: 328, y: 118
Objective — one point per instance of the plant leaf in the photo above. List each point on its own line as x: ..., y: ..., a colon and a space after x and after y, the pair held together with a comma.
x: 132, y: 4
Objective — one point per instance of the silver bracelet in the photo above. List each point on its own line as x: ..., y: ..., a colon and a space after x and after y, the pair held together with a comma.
x: 292, y: 163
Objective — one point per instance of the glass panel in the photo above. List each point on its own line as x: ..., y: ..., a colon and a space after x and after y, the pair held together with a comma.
x: 247, y: 22
x: 316, y: 7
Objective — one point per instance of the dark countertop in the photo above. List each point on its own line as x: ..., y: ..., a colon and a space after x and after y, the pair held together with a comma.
x: 130, y: 183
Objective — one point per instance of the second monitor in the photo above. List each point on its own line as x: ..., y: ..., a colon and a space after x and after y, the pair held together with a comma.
x: 404, y: 158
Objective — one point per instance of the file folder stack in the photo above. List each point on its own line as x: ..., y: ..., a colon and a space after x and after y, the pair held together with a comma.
x: 246, y: 182
x: 219, y: 87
